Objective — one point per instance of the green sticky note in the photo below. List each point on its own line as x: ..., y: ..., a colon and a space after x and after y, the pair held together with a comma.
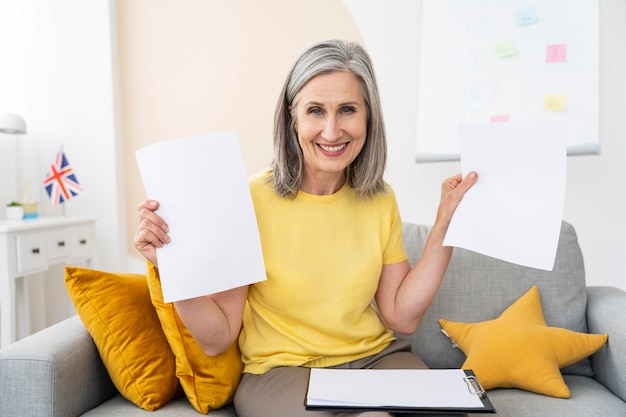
x: 505, y: 49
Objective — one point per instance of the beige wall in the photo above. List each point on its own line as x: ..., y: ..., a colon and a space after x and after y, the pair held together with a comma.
x: 197, y: 66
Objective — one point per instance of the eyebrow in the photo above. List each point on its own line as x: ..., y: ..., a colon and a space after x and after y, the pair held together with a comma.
x: 319, y: 104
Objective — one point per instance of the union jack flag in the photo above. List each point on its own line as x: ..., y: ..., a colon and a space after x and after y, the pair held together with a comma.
x: 61, y: 183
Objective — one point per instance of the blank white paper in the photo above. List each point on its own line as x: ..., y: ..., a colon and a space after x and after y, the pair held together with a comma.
x: 514, y: 211
x: 201, y: 184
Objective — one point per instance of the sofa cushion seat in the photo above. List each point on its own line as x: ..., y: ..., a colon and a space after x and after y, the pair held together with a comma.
x: 119, y: 406
x: 588, y: 398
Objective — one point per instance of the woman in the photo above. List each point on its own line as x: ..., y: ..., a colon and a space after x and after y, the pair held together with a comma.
x: 331, y: 235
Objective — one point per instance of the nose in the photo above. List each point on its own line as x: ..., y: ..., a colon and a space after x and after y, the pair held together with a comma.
x: 332, y: 129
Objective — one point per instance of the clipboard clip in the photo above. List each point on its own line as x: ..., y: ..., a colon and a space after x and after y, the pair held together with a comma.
x: 474, y: 386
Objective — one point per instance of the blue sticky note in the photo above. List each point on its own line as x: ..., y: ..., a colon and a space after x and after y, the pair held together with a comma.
x: 526, y: 16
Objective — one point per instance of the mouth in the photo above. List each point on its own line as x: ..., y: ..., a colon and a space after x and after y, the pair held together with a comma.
x: 333, y: 148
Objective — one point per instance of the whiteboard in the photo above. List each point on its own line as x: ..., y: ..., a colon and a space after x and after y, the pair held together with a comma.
x: 507, y: 61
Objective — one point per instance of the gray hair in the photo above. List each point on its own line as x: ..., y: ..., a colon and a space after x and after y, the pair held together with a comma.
x: 365, y: 174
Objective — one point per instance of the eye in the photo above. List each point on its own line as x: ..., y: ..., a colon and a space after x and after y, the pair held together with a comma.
x: 348, y: 110
x: 314, y: 111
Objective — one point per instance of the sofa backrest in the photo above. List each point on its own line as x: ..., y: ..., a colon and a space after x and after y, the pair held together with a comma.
x: 478, y: 288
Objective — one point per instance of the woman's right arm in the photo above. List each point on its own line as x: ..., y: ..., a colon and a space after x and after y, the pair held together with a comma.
x: 214, y: 320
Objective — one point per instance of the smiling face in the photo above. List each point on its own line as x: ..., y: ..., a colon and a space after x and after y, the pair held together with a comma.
x: 331, y: 122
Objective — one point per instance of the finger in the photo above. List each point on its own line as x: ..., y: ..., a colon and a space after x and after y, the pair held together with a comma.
x: 148, y: 204
x: 153, y: 230
x: 145, y: 238
x: 143, y: 245
x: 451, y: 183
x: 454, y: 188
x: 463, y: 184
x: 147, y: 215
x: 469, y: 180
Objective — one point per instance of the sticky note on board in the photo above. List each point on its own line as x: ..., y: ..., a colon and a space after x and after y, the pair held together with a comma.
x: 505, y: 49
x: 499, y: 118
x: 556, y: 53
x: 527, y: 16
x: 554, y: 102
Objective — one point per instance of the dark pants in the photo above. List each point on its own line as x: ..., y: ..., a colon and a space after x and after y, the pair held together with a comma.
x: 280, y: 392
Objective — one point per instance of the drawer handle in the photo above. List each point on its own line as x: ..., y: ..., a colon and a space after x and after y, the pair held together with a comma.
x: 83, y: 241
x: 61, y: 243
x: 36, y: 251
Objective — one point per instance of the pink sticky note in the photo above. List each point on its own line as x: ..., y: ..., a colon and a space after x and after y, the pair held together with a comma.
x: 499, y: 118
x: 556, y: 53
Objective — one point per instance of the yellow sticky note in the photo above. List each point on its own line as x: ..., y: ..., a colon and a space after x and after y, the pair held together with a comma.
x: 554, y: 102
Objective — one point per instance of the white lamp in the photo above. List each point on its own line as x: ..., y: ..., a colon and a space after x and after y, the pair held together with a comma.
x: 12, y: 123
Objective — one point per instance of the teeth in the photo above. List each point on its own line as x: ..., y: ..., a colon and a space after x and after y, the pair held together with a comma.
x: 336, y: 148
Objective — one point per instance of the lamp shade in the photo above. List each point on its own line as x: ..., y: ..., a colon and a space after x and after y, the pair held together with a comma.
x: 12, y: 124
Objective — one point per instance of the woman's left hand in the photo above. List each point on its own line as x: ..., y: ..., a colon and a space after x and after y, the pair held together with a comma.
x: 452, y: 191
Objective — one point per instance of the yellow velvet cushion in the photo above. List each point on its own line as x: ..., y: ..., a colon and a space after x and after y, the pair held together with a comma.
x: 518, y: 349
x: 117, y: 312
x: 209, y: 382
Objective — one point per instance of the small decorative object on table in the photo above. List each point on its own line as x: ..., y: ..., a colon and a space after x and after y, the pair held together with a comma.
x: 15, y: 211
x: 31, y: 209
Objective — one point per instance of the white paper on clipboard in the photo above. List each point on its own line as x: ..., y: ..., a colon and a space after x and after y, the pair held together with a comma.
x: 408, y: 388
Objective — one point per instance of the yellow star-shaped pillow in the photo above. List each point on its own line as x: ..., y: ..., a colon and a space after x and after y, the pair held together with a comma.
x: 518, y: 349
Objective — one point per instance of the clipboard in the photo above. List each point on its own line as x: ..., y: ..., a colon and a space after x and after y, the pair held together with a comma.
x: 432, y: 391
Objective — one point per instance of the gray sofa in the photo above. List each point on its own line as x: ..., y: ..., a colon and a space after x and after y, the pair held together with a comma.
x: 57, y: 372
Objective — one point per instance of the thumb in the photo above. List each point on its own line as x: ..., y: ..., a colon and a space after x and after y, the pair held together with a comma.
x: 468, y: 182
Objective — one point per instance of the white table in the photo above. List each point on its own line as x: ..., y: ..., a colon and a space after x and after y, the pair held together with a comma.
x: 31, y: 246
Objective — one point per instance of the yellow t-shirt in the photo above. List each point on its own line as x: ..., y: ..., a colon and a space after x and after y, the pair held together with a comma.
x: 323, y: 257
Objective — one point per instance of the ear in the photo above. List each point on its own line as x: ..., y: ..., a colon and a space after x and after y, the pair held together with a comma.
x: 295, y: 121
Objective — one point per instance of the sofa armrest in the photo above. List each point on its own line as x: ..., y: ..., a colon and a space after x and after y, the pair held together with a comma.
x: 606, y: 313
x: 55, y: 372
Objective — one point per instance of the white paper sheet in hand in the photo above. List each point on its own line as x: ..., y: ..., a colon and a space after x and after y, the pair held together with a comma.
x: 514, y: 211
x: 201, y: 184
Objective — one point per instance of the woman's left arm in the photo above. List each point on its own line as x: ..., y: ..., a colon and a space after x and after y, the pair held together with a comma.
x: 404, y: 294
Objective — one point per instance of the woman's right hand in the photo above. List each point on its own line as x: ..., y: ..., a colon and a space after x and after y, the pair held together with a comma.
x: 152, y: 231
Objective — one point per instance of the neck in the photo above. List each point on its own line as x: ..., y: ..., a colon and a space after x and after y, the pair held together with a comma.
x: 323, y: 186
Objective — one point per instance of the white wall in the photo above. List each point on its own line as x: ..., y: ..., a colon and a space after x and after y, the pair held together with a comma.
x: 62, y: 82
x: 595, y: 198
x: 59, y: 75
